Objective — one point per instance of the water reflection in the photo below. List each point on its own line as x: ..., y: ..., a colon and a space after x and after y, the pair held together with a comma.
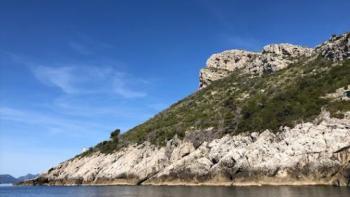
x: 174, y: 191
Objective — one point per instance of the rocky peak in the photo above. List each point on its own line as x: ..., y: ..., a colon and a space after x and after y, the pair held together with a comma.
x: 337, y: 48
x: 286, y: 50
x: 231, y: 59
x: 272, y: 58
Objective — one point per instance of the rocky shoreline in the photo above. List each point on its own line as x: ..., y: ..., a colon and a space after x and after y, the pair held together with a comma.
x: 315, y: 153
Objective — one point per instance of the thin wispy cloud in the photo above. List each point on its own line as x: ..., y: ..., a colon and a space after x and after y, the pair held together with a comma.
x: 85, y: 79
x: 52, y: 123
x: 120, y: 87
x: 88, y: 92
x: 60, y: 77
x: 89, y: 80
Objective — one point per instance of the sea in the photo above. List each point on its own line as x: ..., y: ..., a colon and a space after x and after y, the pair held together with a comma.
x: 173, y: 191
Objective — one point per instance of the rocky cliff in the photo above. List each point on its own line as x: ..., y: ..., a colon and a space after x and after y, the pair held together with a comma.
x: 281, y: 116
x: 272, y: 58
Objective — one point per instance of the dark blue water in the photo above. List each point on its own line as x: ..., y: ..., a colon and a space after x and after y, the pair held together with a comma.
x: 174, y: 191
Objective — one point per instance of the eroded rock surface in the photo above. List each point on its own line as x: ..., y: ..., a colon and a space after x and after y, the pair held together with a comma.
x: 337, y: 48
x: 272, y: 58
x: 309, y: 153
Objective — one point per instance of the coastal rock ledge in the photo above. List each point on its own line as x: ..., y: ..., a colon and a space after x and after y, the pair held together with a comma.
x: 313, y: 153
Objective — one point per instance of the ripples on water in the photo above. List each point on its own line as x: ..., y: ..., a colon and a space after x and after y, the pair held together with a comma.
x: 174, y: 191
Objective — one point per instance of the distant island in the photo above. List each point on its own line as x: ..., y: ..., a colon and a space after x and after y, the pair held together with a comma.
x: 276, y: 117
x: 8, y: 179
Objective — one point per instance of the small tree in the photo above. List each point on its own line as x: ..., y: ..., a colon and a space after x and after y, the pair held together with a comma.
x: 115, y: 135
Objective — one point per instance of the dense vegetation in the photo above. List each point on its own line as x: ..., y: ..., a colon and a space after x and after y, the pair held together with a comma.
x: 244, y: 103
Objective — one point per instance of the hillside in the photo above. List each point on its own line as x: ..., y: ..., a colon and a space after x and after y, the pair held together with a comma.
x: 281, y: 116
x: 245, y: 102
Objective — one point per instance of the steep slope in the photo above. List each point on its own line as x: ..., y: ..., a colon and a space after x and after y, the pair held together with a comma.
x: 290, y: 125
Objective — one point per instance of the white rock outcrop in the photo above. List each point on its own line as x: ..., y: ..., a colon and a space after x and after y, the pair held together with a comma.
x: 273, y: 57
x: 337, y: 48
x: 309, y: 153
x: 342, y: 94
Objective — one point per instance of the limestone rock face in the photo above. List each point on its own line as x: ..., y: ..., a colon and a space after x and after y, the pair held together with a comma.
x: 273, y: 57
x: 309, y: 153
x: 337, y: 48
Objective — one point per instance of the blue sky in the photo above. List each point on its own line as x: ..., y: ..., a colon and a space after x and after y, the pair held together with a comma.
x: 72, y: 71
